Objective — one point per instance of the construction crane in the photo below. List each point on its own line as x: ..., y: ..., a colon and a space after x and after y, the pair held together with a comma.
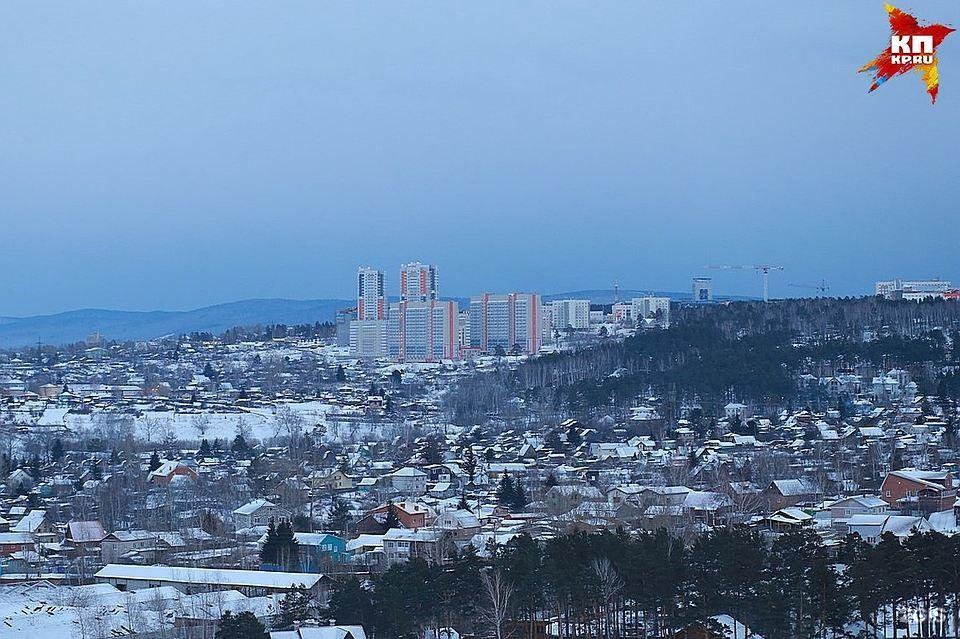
x: 822, y: 287
x: 762, y: 269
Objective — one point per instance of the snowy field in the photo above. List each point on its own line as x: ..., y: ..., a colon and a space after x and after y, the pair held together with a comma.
x: 264, y: 424
x: 100, y: 610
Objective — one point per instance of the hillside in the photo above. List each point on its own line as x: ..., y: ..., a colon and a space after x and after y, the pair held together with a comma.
x: 74, y: 326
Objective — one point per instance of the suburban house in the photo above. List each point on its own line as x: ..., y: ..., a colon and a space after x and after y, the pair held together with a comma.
x: 563, y: 498
x: 407, y: 481
x: 462, y: 525
x: 784, y: 493
x: 336, y: 481
x: 920, y: 491
x: 11, y: 542
x: 126, y: 544
x: 169, y: 470
x: 872, y: 527
x: 85, y: 536
x: 847, y: 507
x: 34, y: 522
x: 259, y: 512
x: 321, y: 632
x: 400, y: 545
x: 410, y: 514
x: 318, y: 550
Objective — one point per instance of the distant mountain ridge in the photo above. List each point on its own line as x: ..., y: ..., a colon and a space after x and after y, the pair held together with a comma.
x: 74, y: 326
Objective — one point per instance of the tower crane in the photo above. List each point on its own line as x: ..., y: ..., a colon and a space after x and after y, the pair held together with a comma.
x: 822, y: 287
x: 762, y: 269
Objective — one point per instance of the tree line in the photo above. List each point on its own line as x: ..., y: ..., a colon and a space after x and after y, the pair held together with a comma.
x: 755, y: 350
x: 652, y: 584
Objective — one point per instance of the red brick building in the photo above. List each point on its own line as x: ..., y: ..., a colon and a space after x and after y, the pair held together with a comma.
x: 919, y: 490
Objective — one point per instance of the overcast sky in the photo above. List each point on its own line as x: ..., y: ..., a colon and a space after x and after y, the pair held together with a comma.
x: 179, y: 154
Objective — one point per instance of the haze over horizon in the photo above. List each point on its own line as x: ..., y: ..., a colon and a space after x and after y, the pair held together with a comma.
x: 162, y: 156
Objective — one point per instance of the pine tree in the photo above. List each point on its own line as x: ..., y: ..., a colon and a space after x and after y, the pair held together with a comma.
x: 295, y: 607
x: 341, y: 374
x: 469, y: 464
x: 240, y: 445
x: 155, y: 461
x: 339, y: 517
x: 392, y: 521
x: 519, y: 495
x: 56, y: 450
x: 506, y: 491
x: 269, y: 551
x: 288, y: 549
x: 204, y: 451
x: 241, y: 626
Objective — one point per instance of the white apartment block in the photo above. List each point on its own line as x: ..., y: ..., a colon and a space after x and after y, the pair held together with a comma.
x: 914, y: 289
x: 572, y: 314
x: 654, y: 309
x: 512, y: 323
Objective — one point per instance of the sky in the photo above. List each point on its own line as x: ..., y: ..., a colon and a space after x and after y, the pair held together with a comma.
x: 158, y: 155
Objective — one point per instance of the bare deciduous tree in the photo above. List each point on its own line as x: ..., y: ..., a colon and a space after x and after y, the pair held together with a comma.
x: 498, y: 593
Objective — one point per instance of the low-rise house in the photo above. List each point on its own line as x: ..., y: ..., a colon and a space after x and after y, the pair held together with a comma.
x: 169, y: 471
x: 401, y: 545
x: 872, y: 527
x: 784, y: 493
x: 336, y: 481
x: 19, y: 481
x: 122, y: 543
x: 34, y: 522
x: 563, y: 498
x: 788, y: 520
x: 259, y: 512
x: 410, y: 514
x: 318, y: 550
x: 847, y: 507
x: 85, y: 536
x: 407, y: 481
x: 321, y: 632
x: 461, y: 525
x: 11, y: 542
x: 921, y: 491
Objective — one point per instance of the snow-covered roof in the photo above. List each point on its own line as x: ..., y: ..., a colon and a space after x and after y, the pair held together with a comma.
x: 321, y: 632
x: 211, y: 576
x: 252, y: 507
x: 83, y: 531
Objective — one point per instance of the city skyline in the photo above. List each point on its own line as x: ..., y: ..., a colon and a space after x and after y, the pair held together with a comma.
x: 559, y: 160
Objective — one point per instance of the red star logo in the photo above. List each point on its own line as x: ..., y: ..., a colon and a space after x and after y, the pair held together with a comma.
x: 912, y: 48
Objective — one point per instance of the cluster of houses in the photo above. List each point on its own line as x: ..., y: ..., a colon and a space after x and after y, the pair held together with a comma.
x: 94, y: 499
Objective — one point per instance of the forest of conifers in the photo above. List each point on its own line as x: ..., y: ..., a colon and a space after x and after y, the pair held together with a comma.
x: 619, y: 585
x: 751, y: 350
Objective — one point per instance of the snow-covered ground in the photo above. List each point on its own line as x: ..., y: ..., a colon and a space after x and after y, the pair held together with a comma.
x: 340, y: 424
x: 100, y: 610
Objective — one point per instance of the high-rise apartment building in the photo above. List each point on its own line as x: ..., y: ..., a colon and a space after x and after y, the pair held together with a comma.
x: 569, y: 314
x: 368, y: 333
x: 511, y: 323
x: 654, y: 310
x: 423, y: 331
x: 418, y: 282
x: 371, y: 304
x: 702, y: 290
